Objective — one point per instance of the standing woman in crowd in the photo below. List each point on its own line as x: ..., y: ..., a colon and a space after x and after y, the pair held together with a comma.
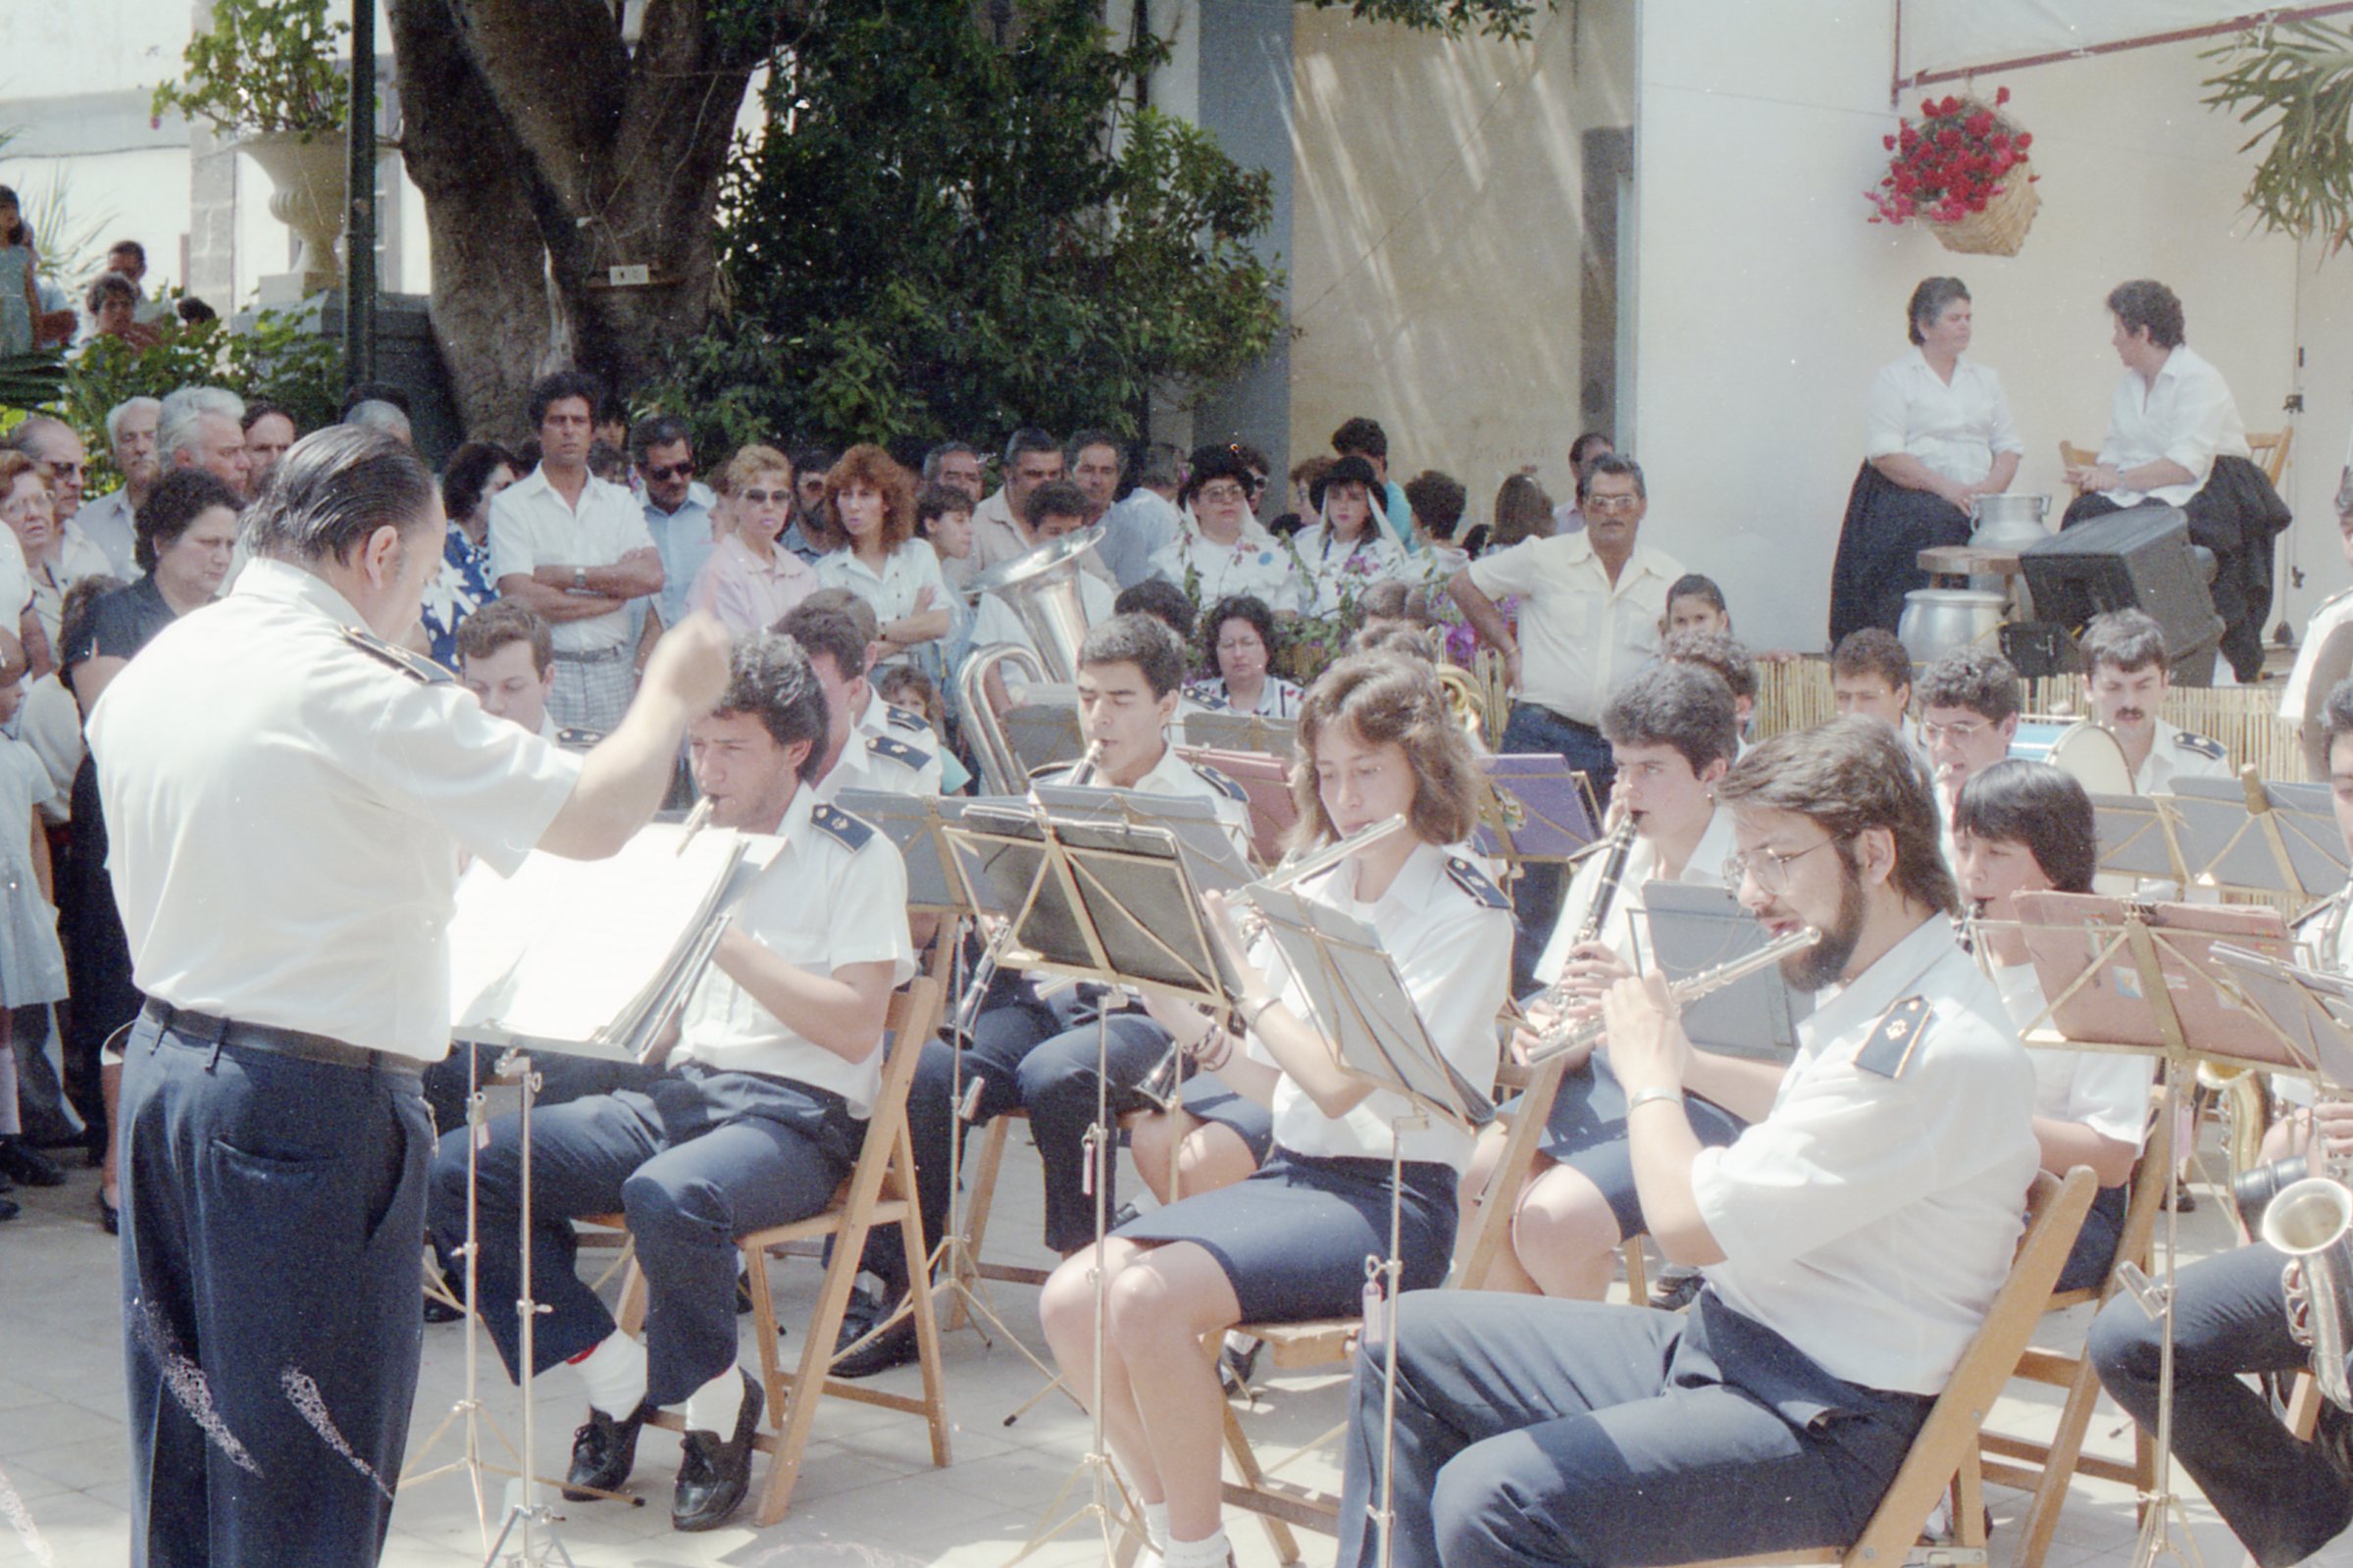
x: 476, y: 472
x: 1219, y: 549
x: 1522, y: 511
x: 1290, y: 1242
x: 1239, y: 637
x: 185, y: 534
x: 1346, y: 549
x: 752, y: 579
x: 877, y: 556
x: 1939, y: 436
x: 53, y: 561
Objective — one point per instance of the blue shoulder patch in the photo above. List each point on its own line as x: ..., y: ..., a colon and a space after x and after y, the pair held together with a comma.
x: 2211, y: 750
x: 575, y: 740
x: 1220, y: 782
x: 900, y: 751
x: 899, y: 717
x: 1476, y: 883
x: 852, y: 832
x: 1900, y: 1030
x: 416, y: 666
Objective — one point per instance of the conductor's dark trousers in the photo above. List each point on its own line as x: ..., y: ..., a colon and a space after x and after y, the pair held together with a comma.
x: 271, y: 1207
x: 1583, y: 1434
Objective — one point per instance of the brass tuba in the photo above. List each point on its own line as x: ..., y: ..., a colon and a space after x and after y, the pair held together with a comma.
x: 1042, y: 589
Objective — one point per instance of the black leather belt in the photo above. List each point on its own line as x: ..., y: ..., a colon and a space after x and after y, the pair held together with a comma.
x: 205, y: 1027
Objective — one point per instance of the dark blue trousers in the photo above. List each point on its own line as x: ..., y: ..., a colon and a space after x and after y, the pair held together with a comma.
x: 695, y: 1159
x: 1542, y: 1433
x: 270, y: 1214
x: 2282, y: 1498
x: 1536, y: 894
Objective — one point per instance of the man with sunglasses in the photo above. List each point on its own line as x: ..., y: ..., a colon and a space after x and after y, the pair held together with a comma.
x: 1851, y: 1239
x: 678, y: 513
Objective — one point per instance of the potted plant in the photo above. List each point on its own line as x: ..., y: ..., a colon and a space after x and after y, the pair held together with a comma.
x: 1962, y: 171
x: 269, y: 76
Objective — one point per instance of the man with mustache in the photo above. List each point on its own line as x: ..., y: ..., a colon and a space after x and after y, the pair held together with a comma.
x: 2129, y: 674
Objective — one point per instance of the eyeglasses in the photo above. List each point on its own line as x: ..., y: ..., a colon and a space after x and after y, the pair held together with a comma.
x: 1222, y: 494
x: 1967, y: 729
x: 1613, y: 505
x: 1771, y: 867
x: 675, y: 471
x: 1257, y: 484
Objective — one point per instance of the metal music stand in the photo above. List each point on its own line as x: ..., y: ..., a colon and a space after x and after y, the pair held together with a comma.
x: 1240, y: 732
x: 1043, y: 727
x: 1348, y: 989
x: 2139, y: 842
x: 2148, y: 972
x: 1113, y: 901
x: 2248, y: 835
x: 1544, y: 810
x: 1695, y: 929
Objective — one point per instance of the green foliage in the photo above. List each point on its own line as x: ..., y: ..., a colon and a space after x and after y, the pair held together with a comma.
x: 1497, y: 19
x: 266, y: 65
x: 939, y: 237
x: 2299, y: 73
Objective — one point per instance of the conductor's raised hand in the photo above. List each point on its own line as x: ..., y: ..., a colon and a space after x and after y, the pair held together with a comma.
x: 1648, y: 1049
x: 689, y: 664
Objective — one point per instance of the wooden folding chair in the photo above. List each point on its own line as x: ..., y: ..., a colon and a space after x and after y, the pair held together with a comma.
x: 1943, y: 1458
x: 880, y: 1192
x: 2045, y: 1469
x: 2072, y: 456
x: 2270, y: 449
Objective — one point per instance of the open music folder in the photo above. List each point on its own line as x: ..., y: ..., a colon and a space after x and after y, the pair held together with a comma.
x: 594, y: 957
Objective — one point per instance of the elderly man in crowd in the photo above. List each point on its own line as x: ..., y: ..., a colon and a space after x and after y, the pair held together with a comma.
x: 957, y: 466
x: 677, y: 509
x: 268, y: 432
x: 107, y: 521
x: 199, y: 427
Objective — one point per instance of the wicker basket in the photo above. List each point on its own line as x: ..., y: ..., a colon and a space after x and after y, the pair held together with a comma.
x: 2000, y: 229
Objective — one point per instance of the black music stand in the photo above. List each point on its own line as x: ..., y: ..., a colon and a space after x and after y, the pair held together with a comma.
x: 1548, y: 808
x: 1224, y: 731
x: 2252, y: 837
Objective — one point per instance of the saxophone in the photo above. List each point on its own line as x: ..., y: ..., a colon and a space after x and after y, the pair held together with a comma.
x: 2312, y: 1222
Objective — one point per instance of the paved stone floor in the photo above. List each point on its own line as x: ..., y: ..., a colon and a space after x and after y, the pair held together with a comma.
x: 869, y: 1497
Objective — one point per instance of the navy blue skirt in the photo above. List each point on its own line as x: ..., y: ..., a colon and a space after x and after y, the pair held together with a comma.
x: 1205, y: 1097
x: 1293, y: 1238
x: 1587, y: 1132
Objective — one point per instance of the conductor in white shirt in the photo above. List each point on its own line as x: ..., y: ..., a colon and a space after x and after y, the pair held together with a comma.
x: 1939, y: 435
x: 287, y: 795
x: 2176, y: 439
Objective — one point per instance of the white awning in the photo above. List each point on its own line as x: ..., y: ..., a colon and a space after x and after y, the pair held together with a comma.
x: 1942, y: 39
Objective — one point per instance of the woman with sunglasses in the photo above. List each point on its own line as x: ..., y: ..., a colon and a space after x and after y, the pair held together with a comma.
x: 752, y: 579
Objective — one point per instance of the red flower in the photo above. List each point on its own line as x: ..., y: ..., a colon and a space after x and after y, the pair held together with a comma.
x: 1980, y: 124
x: 2025, y: 140
x: 2001, y: 96
x: 1889, y: 142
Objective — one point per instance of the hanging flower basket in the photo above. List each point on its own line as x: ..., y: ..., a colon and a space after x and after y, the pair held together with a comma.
x: 1962, y: 170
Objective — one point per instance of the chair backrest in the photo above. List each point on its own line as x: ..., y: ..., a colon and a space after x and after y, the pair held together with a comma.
x: 2271, y: 451
x: 909, y: 1020
x: 2073, y: 456
x: 2055, y: 1211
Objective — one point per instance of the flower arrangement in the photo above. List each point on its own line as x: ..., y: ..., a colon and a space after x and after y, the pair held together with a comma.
x: 1961, y: 170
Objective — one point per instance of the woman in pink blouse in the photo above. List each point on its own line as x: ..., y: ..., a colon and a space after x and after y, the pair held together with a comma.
x: 750, y: 579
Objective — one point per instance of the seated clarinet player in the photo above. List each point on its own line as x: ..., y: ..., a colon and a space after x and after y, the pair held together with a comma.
x: 1852, y: 1237
x: 2026, y: 826
x: 1291, y: 1243
x: 1037, y: 1048
x: 1671, y: 733
x: 2284, y: 1498
x: 755, y: 1120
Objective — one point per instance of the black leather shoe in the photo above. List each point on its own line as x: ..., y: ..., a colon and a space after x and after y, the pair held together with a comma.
x: 28, y: 1165
x: 603, y: 1452
x: 714, y: 1477
x: 110, y: 1216
x: 10, y: 1208
x: 894, y: 1347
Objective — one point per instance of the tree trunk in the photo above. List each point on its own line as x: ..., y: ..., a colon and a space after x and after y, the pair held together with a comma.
x: 548, y: 154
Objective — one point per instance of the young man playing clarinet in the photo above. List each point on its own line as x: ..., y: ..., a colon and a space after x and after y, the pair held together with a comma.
x: 2282, y: 1498
x: 1852, y: 1237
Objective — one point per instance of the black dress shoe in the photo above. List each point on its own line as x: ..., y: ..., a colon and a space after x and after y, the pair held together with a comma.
x: 28, y: 1165
x: 603, y: 1452
x: 10, y: 1208
x: 714, y: 1476
x: 110, y: 1216
x: 894, y: 1347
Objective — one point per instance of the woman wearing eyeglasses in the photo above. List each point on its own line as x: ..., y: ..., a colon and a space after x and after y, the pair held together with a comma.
x: 1219, y: 549
x: 752, y: 579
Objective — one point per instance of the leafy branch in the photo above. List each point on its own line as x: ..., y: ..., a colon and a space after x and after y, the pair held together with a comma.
x: 2293, y: 82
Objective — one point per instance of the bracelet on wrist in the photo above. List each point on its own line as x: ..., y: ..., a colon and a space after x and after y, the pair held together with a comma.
x: 1641, y: 1098
x: 1248, y: 1013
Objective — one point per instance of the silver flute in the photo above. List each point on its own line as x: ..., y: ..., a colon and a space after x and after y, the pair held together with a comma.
x: 1568, y: 1035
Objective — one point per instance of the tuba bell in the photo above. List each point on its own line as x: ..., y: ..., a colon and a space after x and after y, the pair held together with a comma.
x: 1041, y: 589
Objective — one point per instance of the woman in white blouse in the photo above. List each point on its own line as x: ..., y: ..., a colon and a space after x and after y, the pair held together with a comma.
x: 1220, y: 549
x: 1345, y: 551
x: 1240, y: 636
x: 1290, y: 1242
x: 872, y: 500
x: 1940, y: 435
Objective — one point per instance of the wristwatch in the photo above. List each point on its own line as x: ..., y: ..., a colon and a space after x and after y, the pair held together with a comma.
x: 579, y: 580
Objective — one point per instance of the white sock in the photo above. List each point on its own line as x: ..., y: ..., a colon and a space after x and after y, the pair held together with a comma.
x: 1155, y: 1526
x: 714, y: 1406
x: 1209, y: 1553
x: 615, y: 1373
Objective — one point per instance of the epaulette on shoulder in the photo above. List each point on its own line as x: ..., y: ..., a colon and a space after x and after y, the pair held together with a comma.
x: 1900, y: 1030
x: 416, y: 666
x: 1210, y: 701
x: 850, y: 832
x: 1476, y: 883
x: 900, y: 751
x: 1220, y: 782
x: 572, y: 739
x: 899, y: 717
x: 2211, y: 750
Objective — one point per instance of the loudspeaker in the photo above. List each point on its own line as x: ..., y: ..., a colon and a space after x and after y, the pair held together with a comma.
x: 2136, y: 559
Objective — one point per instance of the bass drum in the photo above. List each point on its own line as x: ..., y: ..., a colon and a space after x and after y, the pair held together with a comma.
x: 2087, y: 754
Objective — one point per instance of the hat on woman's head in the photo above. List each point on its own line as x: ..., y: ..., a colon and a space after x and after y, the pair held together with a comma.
x: 1350, y: 470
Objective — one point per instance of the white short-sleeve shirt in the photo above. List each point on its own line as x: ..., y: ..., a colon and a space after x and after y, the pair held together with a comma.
x: 1870, y: 1220
x: 1954, y: 427
x: 1256, y: 564
x: 1579, y: 635
x: 835, y: 894
x: 911, y: 566
x: 1447, y: 929
x: 2178, y: 754
x: 1626, y: 925
x: 530, y: 527
x: 1172, y: 775
x: 892, y: 750
x: 2185, y: 412
x: 2107, y: 1091
x: 285, y: 811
